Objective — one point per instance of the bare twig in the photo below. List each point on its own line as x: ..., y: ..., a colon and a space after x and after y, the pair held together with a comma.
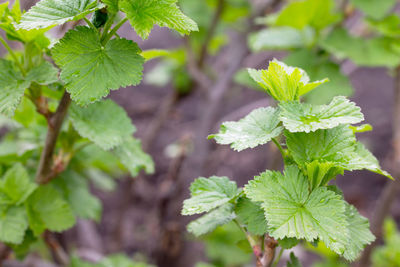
x: 46, y: 171
x: 59, y: 254
x: 210, y: 33
x: 391, y: 188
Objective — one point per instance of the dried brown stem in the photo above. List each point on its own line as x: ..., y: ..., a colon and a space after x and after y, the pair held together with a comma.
x: 57, y: 251
x: 46, y: 170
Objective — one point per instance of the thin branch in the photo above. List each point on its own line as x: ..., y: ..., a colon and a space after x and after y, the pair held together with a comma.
x: 279, y: 147
x: 46, y: 172
x: 391, y: 188
x: 210, y: 33
x: 58, y: 252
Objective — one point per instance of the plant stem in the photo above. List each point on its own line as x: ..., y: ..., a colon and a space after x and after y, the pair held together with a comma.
x: 9, y: 49
x: 278, y: 258
x: 114, y: 30
x: 279, y: 147
x: 89, y: 23
x: 59, y: 254
x: 45, y: 172
x: 107, y: 27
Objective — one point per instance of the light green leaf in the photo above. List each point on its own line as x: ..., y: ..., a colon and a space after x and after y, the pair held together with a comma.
x: 282, y: 82
x: 112, y: 5
x: 252, y: 215
x: 337, y: 146
x: 257, y: 128
x: 320, y: 173
x: 90, y: 69
x: 292, y: 211
x: 360, y: 235
x: 13, y: 223
x: 317, y: 68
x: 43, y: 74
x: 49, y: 13
x: 373, y: 52
x: 389, y: 26
x: 105, y: 123
x: 16, y: 185
x: 132, y: 156
x: 374, y: 8
x: 300, y: 117
x: 362, y: 128
x: 48, y: 210
x: 208, y: 222
x: 12, y: 88
x: 315, y: 13
x: 280, y: 38
x: 208, y: 194
x: 143, y: 14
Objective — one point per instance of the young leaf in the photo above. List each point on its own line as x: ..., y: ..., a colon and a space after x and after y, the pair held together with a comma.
x: 48, y: 210
x: 298, y: 117
x: 143, y: 14
x: 314, y: 13
x: 252, y: 215
x: 294, y: 261
x: 374, y: 8
x: 16, y: 186
x: 257, y: 128
x: 112, y: 5
x: 49, y: 13
x: 292, y: 211
x: 360, y: 235
x: 12, y: 88
x: 13, y: 223
x: 132, y: 156
x: 104, y: 123
x: 208, y: 194
x: 320, y: 173
x: 91, y: 69
x: 43, y: 74
x: 212, y: 220
x: 282, y: 82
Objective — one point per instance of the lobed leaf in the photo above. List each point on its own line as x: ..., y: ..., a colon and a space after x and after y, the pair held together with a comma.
x: 132, y: 156
x: 292, y: 211
x: 282, y: 82
x: 91, y: 69
x: 13, y: 224
x: 208, y: 222
x: 257, y: 128
x: 143, y: 14
x: 252, y: 215
x: 49, y: 13
x: 105, y: 123
x: 299, y: 117
x: 208, y: 194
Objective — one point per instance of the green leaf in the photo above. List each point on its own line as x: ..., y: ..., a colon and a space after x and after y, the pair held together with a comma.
x: 373, y: 52
x: 319, y: 67
x: 76, y: 191
x: 12, y: 87
x: 49, y: 13
x: 90, y: 69
x: 112, y: 5
x: 337, y: 146
x: 280, y: 38
x: 362, y: 128
x: 48, y: 210
x: 143, y: 14
x: 105, y: 123
x: 252, y: 215
x: 320, y: 173
x: 132, y: 156
x: 374, y: 8
x: 257, y: 128
x: 208, y: 194
x: 282, y: 82
x: 360, y: 235
x: 16, y: 186
x: 208, y: 222
x: 292, y: 211
x: 315, y: 13
x: 43, y: 74
x: 13, y: 223
x: 300, y: 117
x: 389, y: 26
x: 294, y: 261
x: 288, y: 243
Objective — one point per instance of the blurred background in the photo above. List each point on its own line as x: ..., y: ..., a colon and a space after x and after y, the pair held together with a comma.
x: 201, y: 81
